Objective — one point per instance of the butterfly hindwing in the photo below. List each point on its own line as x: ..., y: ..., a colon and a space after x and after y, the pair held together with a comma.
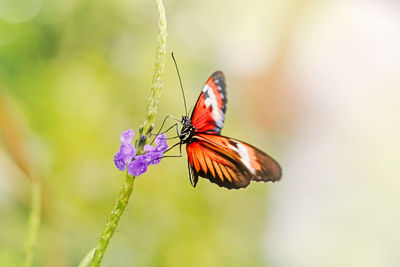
x: 216, y: 167
x: 208, y: 114
x: 229, y: 163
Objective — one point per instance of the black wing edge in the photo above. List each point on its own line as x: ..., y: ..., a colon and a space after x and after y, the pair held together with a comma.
x: 271, y: 170
x: 193, y: 176
x: 219, y: 80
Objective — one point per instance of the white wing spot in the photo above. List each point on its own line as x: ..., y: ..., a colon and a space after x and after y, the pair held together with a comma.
x: 211, y: 100
x: 244, y: 155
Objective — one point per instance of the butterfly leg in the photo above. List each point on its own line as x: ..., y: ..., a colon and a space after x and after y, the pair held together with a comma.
x: 180, y: 145
x: 175, y: 156
x: 177, y: 132
x: 180, y: 151
x: 165, y: 119
x: 175, y: 125
x: 162, y: 125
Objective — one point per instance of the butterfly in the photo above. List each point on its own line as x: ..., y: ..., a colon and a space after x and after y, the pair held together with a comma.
x: 225, y: 161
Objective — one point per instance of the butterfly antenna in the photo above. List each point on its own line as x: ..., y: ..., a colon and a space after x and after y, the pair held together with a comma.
x: 180, y: 82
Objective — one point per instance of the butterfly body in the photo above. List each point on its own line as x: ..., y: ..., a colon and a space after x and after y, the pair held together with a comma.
x: 187, y: 130
x: 227, y: 162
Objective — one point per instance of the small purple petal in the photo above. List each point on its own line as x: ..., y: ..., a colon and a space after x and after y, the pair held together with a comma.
x: 127, y: 152
x: 119, y: 163
x: 155, y: 157
x: 126, y: 137
x: 161, y: 141
x: 149, y: 148
x: 138, y: 166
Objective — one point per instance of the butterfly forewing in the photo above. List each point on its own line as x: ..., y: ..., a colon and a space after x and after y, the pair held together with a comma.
x: 208, y: 114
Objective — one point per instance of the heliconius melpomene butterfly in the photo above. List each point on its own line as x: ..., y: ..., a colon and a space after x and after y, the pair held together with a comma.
x: 227, y: 162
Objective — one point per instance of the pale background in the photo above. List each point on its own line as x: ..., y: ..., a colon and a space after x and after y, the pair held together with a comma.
x: 316, y: 84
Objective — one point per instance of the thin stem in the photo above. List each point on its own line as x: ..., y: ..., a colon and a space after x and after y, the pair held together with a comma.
x: 87, y: 258
x: 14, y: 142
x: 113, y: 220
x: 157, y: 82
x: 146, y: 127
x: 34, y: 223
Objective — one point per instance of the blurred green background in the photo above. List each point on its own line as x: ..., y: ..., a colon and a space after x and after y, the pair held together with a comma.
x: 313, y: 83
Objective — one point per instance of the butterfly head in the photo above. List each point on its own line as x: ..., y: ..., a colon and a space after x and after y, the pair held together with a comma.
x: 187, y: 129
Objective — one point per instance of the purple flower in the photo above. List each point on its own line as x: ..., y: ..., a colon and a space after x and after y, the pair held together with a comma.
x: 126, y: 137
x: 149, y: 148
x: 155, y: 157
x: 126, y: 152
x: 161, y: 142
x: 119, y: 162
x: 154, y: 154
x: 138, y: 166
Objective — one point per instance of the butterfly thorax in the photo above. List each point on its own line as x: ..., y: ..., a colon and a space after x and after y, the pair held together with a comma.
x: 187, y: 130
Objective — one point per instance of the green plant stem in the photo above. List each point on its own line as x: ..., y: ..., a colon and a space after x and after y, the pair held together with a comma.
x: 113, y: 220
x: 87, y: 258
x: 34, y: 223
x: 14, y: 142
x: 157, y: 81
x: 151, y: 111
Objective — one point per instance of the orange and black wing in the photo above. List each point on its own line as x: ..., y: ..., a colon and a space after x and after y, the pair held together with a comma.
x: 208, y: 114
x: 229, y: 163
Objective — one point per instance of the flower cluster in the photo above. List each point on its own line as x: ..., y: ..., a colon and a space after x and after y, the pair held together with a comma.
x: 137, y: 164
